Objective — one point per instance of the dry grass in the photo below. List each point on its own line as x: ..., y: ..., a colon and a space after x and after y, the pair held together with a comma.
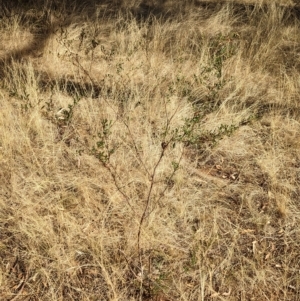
x: 150, y: 156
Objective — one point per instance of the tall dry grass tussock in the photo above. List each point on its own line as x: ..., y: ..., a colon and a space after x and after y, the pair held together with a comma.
x: 149, y: 151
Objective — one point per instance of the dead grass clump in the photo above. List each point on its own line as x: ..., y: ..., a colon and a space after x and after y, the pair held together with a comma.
x: 149, y: 151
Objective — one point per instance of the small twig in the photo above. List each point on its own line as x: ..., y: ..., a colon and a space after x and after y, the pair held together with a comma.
x: 136, y: 149
x: 166, y: 186
x: 114, y: 177
x: 129, y: 265
x: 148, y: 198
x: 20, y: 287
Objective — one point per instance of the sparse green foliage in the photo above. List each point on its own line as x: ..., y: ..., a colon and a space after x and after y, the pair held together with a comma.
x: 222, y: 47
x: 102, y: 151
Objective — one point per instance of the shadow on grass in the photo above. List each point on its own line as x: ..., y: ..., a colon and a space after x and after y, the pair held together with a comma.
x: 39, y: 13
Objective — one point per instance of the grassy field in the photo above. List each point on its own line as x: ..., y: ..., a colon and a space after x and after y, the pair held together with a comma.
x: 150, y: 150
